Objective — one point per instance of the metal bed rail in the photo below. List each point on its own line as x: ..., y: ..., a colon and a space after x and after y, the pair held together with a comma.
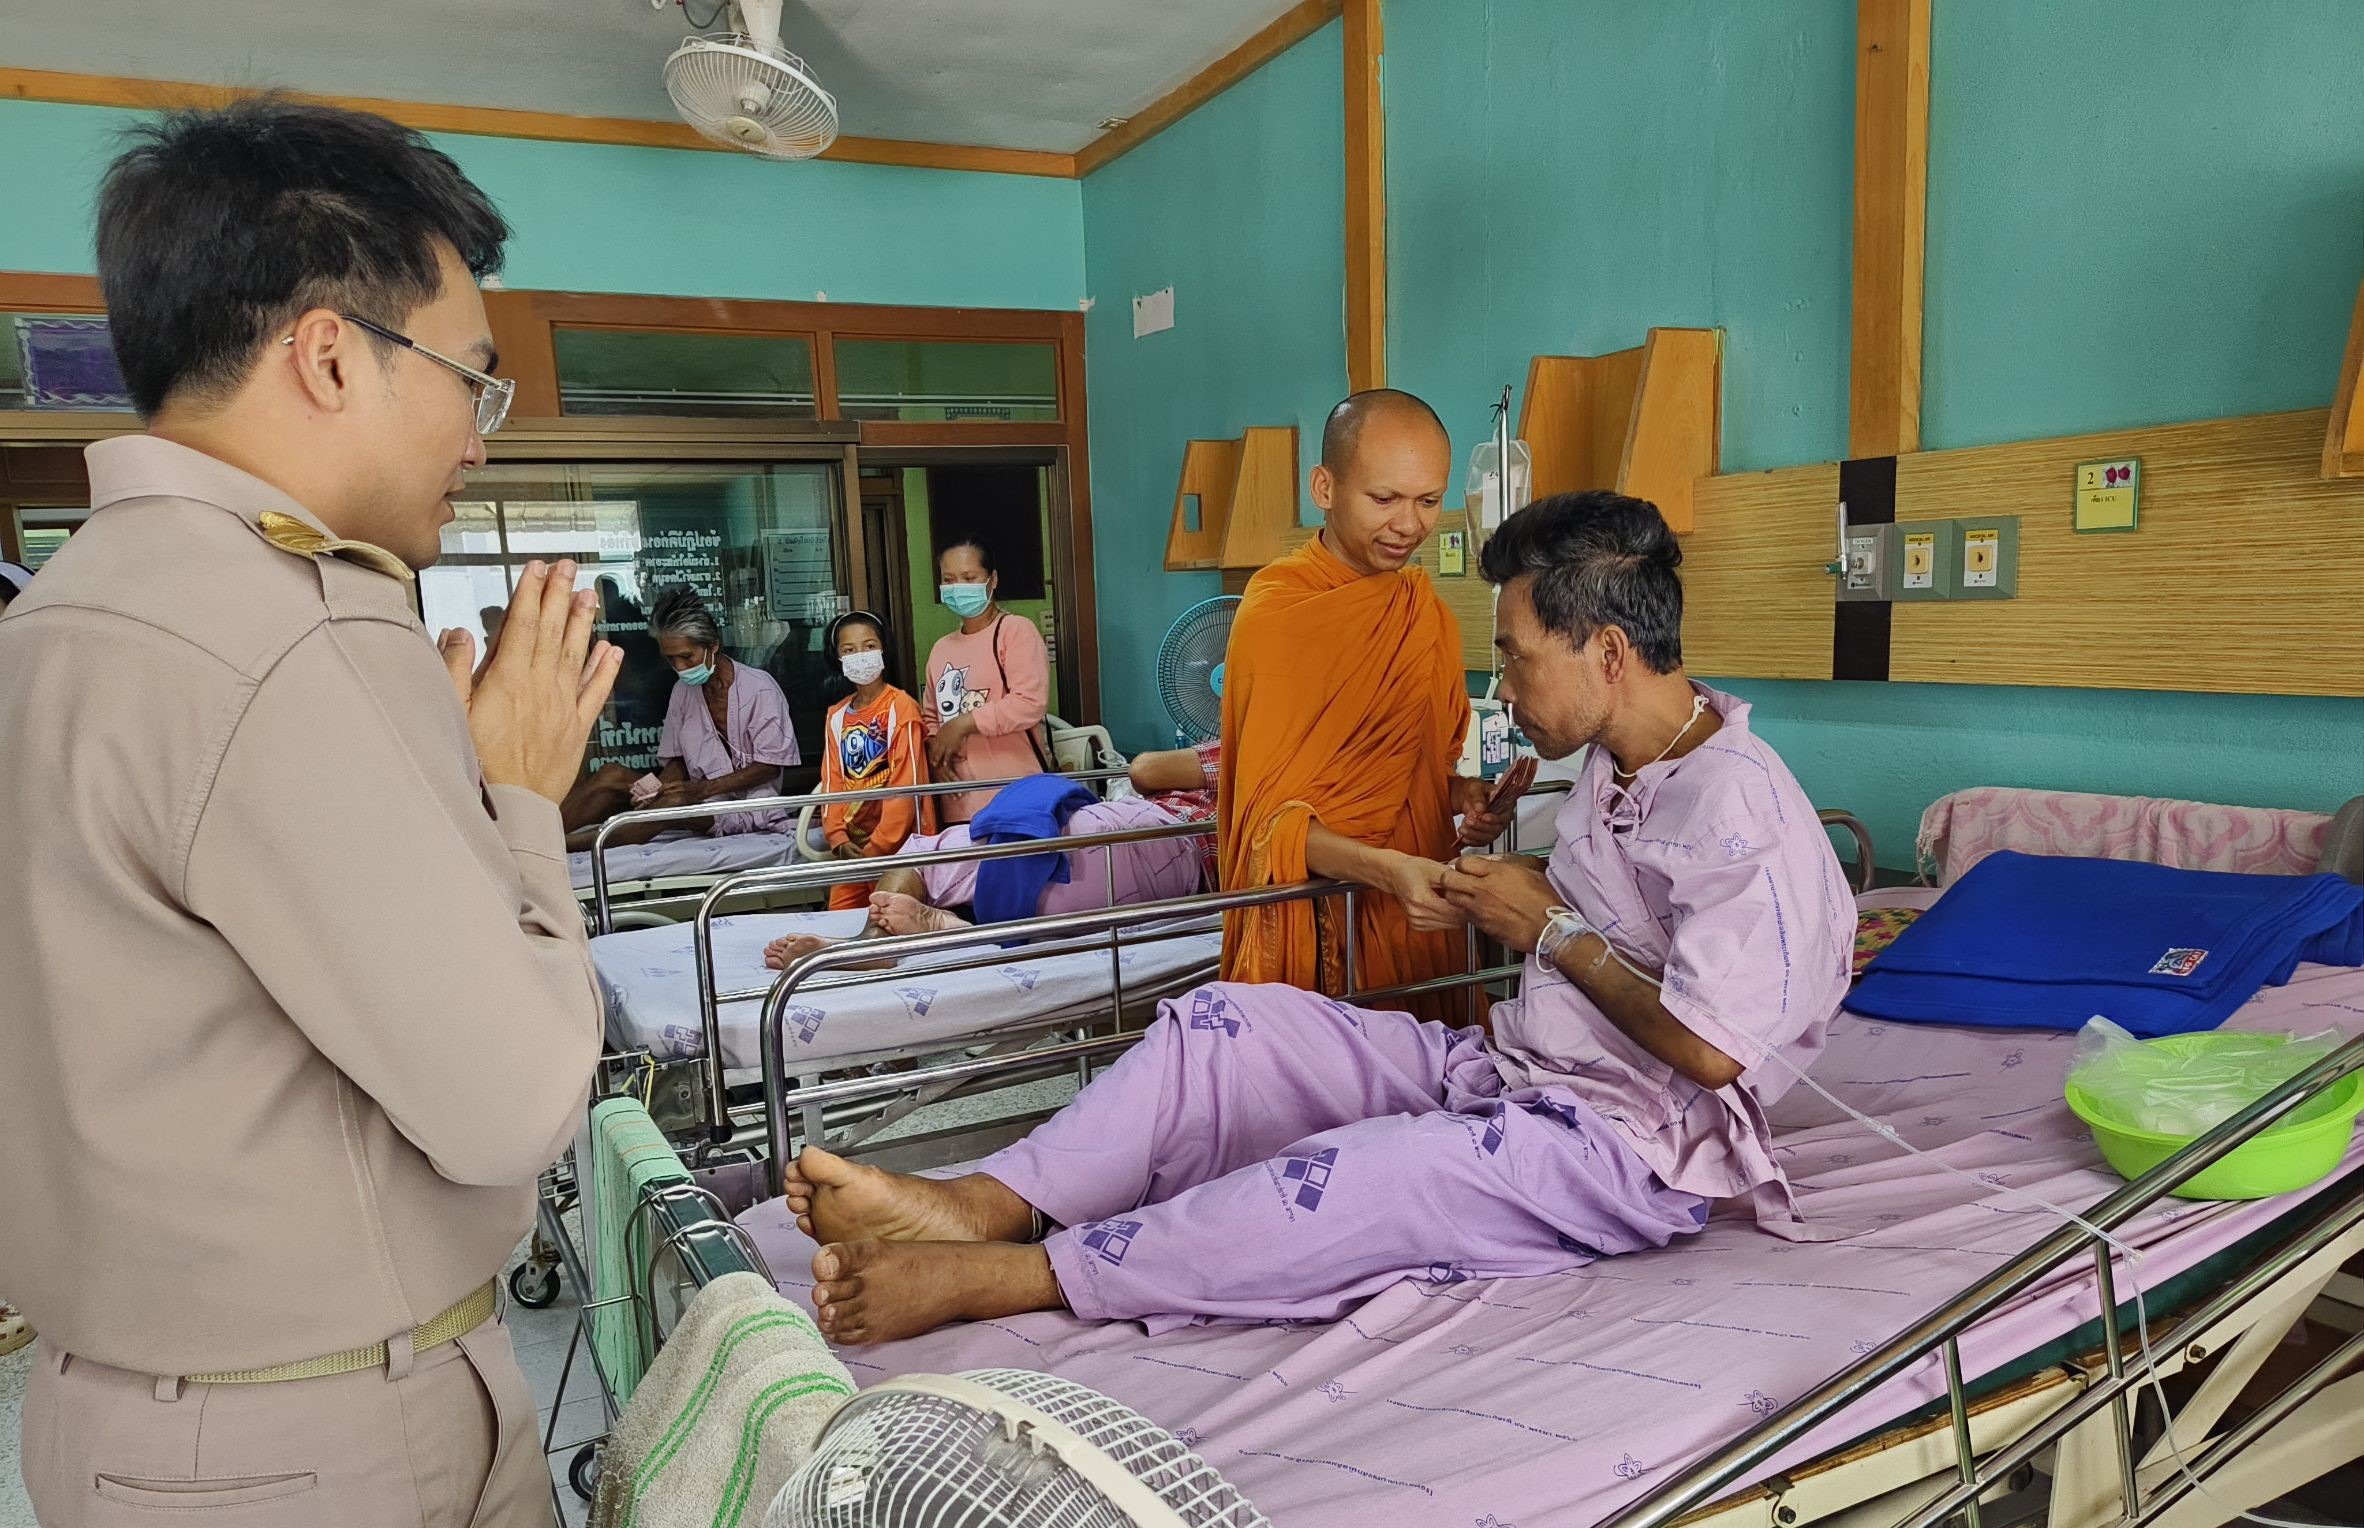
x: 1071, y: 933
x: 722, y: 1120
x: 824, y: 873
x: 601, y: 901
x: 1114, y: 928
x: 1939, y: 1334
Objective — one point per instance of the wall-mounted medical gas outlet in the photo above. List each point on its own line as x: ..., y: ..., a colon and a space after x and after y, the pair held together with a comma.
x: 1928, y: 559
x: 1867, y: 556
x: 1990, y: 558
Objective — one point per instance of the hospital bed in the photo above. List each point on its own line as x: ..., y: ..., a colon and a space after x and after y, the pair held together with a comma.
x: 2062, y: 1412
x: 686, y: 997
x: 1951, y: 1350
x: 662, y: 880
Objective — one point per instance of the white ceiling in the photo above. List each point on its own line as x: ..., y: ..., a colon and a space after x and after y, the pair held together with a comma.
x: 1034, y: 74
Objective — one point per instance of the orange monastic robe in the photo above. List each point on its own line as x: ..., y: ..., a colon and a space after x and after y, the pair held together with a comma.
x: 1344, y: 700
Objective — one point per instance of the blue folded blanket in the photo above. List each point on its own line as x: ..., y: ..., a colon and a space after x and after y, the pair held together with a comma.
x: 2045, y: 942
x: 1033, y: 808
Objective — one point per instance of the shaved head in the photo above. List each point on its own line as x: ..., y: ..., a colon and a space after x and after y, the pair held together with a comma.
x: 1342, y: 433
x: 1381, y: 480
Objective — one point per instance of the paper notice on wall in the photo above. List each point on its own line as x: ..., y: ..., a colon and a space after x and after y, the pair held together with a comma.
x: 1153, y: 312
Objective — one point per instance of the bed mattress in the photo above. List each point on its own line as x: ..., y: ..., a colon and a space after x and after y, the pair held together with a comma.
x: 687, y: 855
x: 1558, y: 1400
x: 649, y: 984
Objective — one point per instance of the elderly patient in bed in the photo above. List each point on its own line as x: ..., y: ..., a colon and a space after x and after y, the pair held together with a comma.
x: 1267, y: 1154
x: 911, y: 900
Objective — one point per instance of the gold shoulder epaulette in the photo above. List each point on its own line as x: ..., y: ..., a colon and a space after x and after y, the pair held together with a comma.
x: 289, y: 534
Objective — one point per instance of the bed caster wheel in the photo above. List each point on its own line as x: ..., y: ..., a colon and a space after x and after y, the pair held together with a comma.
x: 534, y: 1286
x: 582, y: 1472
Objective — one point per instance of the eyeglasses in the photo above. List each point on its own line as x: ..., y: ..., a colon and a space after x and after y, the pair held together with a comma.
x: 492, y: 394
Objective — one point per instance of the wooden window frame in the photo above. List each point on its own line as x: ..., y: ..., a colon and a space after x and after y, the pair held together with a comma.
x: 523, y: 326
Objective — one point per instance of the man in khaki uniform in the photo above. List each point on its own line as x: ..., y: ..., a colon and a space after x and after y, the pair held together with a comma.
x: 297, y: 1004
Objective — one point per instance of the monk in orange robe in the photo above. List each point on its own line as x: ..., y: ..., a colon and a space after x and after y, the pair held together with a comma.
x: 1344, y: 706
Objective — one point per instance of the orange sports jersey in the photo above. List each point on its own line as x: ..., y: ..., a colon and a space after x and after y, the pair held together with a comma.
x: 882, y: 744
x: 1344, y: 701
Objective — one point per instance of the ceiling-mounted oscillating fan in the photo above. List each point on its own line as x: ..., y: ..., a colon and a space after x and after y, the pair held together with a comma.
x: 1190, y: 668
x: 745, y: 91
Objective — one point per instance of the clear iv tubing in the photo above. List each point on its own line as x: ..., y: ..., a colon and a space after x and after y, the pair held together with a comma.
x: 2133, y: 1256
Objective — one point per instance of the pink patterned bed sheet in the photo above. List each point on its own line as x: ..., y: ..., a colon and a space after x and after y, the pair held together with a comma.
x: 1556, y: 1401
x: 1961, y: 829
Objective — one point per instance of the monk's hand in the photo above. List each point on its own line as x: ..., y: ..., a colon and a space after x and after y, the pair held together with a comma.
x: 1419, y: 885
x: 1487, y: 811
x: 1507, y: 897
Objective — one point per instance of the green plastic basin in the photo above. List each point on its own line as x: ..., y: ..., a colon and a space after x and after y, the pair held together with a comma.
x: 2301, y: 1148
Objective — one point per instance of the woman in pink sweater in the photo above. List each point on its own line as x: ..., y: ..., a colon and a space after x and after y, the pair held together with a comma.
x: 989, y: 684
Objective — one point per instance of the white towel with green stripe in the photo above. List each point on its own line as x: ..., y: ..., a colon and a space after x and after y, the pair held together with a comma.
x: 629, y: 1156
x: 732, y: 1406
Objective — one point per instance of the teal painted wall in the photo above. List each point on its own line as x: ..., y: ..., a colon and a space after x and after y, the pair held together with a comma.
x: 2139, y: 210
x: 1884, y: 752
x: 1239, y: 208
x: 594, y: 218
x: 1564, y: 174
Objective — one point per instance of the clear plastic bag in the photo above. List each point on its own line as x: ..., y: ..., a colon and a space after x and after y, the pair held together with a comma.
x: 2192, y: 1083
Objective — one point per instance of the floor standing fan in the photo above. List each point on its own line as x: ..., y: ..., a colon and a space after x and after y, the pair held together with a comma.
x: 1002, y: 1448
x: 1190, y: 669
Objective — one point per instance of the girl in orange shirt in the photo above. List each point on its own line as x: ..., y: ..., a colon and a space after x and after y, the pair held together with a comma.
x: 873, y: 739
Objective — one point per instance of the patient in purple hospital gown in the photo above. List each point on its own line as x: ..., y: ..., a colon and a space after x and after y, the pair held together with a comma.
x: 1266, y: 1153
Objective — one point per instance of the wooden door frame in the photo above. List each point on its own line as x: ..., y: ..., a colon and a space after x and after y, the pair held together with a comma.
x: 895, y: 605
x: 1078, y: 700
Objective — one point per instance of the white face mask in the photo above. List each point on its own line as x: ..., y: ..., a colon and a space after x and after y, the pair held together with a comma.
x: 862, y: 668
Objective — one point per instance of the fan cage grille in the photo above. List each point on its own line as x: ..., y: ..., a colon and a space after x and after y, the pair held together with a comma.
x: 925, y: 1461
x: 1186, y: 661
x: 707, y: 75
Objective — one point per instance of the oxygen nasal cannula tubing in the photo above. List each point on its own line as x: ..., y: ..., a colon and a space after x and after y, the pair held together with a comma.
x: 1569, y: 926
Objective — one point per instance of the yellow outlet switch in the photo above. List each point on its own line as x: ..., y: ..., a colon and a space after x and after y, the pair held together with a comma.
x: 1928, y: 560
x: 1989, y: 559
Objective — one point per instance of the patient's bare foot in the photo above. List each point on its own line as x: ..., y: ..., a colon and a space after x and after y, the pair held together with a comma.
x: 876, y: 1291
x: 782, y: 953
x: 894, y: 912
x: 836, y: 1200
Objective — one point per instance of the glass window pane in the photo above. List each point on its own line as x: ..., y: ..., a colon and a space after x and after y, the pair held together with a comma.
x: 40, y: 532
x: 759, y: 543
x: 947, y: 381
x: 646, y: 371
x: 59, y: 361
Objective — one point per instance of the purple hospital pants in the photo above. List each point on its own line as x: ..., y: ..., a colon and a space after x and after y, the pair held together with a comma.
x: 1265, y: 1154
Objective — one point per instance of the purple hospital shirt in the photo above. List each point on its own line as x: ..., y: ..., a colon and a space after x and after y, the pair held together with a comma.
x: 758, y: 734
x: 1713, y: 869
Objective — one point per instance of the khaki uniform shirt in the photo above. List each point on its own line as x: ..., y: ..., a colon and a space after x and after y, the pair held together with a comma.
x: 293, y: 1008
